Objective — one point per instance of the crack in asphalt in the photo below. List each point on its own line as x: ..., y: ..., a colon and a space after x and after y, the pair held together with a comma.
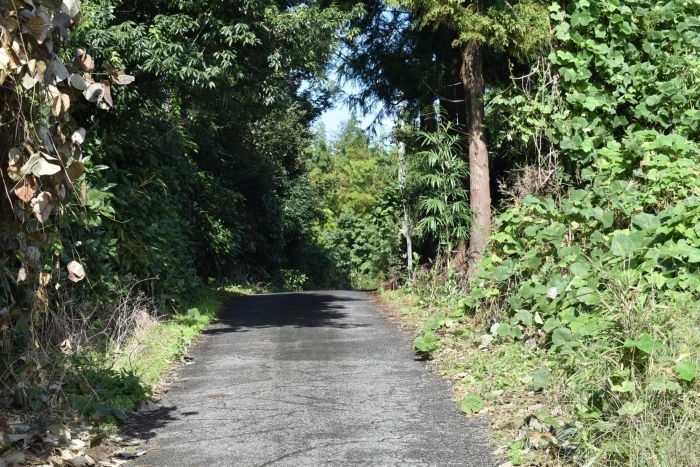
x: 314, y: 378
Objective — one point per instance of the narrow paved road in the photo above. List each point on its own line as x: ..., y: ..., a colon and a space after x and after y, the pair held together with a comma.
x: 309, y: 379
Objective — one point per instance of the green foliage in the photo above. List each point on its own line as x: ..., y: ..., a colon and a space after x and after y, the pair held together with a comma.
x: 96, y: 387
x: 194, y: 170
x: 361, y: 206
x: 593, y: 268
x: 472, y: 404
x: 444, y: 204
x: 521, y: 28
x: 540, y: 379
x: 426, y: 343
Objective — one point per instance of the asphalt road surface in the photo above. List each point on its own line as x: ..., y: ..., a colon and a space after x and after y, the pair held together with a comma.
x: 308, y: 379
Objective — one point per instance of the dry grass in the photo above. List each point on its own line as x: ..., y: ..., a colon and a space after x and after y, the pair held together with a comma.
x: 77, y: 324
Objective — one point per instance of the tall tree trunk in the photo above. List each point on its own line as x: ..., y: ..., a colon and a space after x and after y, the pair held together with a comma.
x: 479, y: 185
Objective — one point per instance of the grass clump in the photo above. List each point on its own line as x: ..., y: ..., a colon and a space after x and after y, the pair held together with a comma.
x: 104, y: 385
x: 150, y: 353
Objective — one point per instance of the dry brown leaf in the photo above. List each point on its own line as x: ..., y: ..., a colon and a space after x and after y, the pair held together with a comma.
x: 78, y: 82
x: 5, y: 58
x: 39, y: 165
x: 107, y: 93
x: 75, y: 170
x: 112, y: 71
x: 67, y: 349
x: 37, y: 28
x: 125, y: 79
x: 61, y: 190
x: 15, y: 156
x: 60, y: 105
x: 44, y: 278
x: 12, y: 24
x: 22, y: 274
x: 86, y: 63
x: 99, y: 453
x: 15, y: 173
x: 58, y: 429
x: 27, y: 81
x: 76, y: 273
x: 26, y: 188
x: 39, y: 70
x: 84, y: 192
x: 42, y: 206
x: 18, y: 55
x: 41, y: 299
x: 97, y: 440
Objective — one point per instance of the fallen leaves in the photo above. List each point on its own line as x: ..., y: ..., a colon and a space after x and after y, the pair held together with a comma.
x: 58, y: 445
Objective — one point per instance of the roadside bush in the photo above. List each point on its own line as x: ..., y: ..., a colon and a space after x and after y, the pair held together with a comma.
x: 605, y: 274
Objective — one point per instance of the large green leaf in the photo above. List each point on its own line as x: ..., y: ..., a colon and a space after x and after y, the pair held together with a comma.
x: 540, y: 379
x: 561, y: 336
x: 686, y: 370
x: 472, y: 404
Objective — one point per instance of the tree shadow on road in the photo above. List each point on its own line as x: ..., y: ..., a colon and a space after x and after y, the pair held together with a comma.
x: 299, y: 309
x: 294, y: 310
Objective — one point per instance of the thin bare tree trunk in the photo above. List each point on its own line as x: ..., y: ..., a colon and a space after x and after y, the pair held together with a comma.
x: 479, y: 185
x: 406, y: 225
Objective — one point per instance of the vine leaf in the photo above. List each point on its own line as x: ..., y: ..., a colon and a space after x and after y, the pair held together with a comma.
x: 94, y: 92
x: 42, y: 206
x: 60, y: 105
x: 75, y: 170
x: 71, y: 8
x: 472, y: 404
x: 37, y: 28
x: 78, y: 136
x: 27, y: 81
x: 56, y: 72
x: 50, y: 3
x: 76, y: 273
x: 686, y: 370
x: 39, y: 166
x: 78, y: 82
x: 26, y: 188
x: 61, y: 20
x: 83, y: 60
x: 125, y: 79
x: 540, y: 379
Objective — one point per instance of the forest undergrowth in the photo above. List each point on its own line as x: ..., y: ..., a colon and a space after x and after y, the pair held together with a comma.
x: 608, y: 400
